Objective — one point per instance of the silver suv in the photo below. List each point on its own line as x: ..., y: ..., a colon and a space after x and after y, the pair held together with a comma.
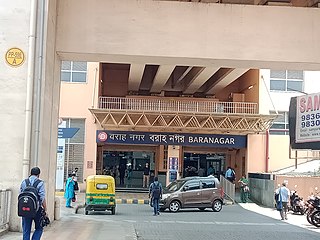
x: 193, y: 192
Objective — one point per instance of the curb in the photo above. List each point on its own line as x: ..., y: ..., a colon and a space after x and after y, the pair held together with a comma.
x: 120, y: 200
x: 132, y: 201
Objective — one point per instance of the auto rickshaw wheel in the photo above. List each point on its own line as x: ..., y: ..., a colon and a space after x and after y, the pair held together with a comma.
x: 113, y: 211
x: 86, y: 212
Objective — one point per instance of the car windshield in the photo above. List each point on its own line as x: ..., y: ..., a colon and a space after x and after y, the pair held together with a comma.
x: 174, y: 186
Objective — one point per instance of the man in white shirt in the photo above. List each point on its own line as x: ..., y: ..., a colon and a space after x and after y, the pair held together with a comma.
x: 283, y: 197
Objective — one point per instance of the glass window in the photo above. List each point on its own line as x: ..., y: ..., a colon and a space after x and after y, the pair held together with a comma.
x: 174, y: 186
x: 80, y: 66
x: 66, y: 76
x: 279, y: 85
x: 289, y: 80
x: 193, y: 185
x: 66, y: 65
x: 280, y: 125
x: 208, y: 184
x: 74, y: 71
x: 74, y: 148
x: 278, y: 74
x: 79, y: 136
x: 102, y: 186
x: 79, y: 77
x: 295, y: 74
x: 294, y: 86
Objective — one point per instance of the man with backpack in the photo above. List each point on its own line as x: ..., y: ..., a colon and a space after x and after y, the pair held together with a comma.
x: 230, y: 174
x: 155, y: 192
x: 32, y: 204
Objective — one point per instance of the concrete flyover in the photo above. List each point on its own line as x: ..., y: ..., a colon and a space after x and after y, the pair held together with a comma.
x: 203, y: 34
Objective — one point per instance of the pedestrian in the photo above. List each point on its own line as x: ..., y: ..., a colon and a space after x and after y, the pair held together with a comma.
x: 282, y: 201
x: 146, y: 175
x: 122, y: 173
x: 69, y: 191
x: 244, y: 189
x: 201, y: 172
x: 129, y: 176
x: 27, y: 222
x: 155, y: 192
x: 210, y: 170
x: 230, y: 174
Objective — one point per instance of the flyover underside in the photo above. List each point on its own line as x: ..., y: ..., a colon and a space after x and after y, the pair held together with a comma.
x: 233, y: 123
x: 188, y: 34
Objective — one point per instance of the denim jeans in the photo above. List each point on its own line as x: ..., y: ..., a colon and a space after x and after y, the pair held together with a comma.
x: 156, y: 207
x: 26, y: 227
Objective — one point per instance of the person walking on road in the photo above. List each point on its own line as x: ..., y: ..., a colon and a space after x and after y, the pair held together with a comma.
x: 155, y: 192
x: 27, y: 222
x: 282, y: 201
x: 69, y: 192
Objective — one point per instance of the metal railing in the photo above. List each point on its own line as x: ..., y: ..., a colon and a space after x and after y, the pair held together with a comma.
x: 175, y: 105
x: 229, y: 188
x: 5, y: 203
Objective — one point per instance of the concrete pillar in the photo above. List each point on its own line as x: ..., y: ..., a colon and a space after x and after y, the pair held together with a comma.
x: 13, y: 103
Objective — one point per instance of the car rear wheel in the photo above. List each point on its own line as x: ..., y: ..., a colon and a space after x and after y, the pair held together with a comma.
x: 174, y: 206
x: 217, y: 206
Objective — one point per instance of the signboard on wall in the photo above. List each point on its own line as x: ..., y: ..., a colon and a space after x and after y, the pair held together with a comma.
x: 308, y: 118
x: 184, y: 139
x: 173, y: 163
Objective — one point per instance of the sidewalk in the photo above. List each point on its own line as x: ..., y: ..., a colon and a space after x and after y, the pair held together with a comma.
x: 294, y: 219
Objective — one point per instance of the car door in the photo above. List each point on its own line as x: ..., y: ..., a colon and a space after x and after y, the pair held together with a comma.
x: 209, y: 191
x: 191, y: 194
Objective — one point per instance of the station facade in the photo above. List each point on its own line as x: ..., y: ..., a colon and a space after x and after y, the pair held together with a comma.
x: 128, y: 129
x: 211, y: 50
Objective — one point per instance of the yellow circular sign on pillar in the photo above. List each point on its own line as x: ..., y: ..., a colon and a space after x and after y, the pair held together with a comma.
x: 15, y: 57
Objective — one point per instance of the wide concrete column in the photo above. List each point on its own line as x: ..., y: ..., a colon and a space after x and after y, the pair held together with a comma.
x: 15, y: 23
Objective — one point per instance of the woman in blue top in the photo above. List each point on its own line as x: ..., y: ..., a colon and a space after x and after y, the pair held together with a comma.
x: 69, y: 192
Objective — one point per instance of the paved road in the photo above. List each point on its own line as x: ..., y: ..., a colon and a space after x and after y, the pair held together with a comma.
x: 136, y: 222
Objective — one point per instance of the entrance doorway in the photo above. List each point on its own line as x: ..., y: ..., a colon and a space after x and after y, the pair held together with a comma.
x: 197, y: 164
x: 127, y: 167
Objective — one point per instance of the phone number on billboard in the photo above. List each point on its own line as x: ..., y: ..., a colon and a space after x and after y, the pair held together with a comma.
x: 310, y: 120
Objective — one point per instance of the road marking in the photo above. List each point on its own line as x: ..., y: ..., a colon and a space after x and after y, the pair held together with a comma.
x: 93, y: 218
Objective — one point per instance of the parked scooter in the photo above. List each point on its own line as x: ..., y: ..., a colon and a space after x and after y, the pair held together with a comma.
x: 297, y: 204
x: 313, y: 215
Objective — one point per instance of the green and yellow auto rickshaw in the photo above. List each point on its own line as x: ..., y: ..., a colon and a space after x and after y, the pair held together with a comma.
x: 100, y: 194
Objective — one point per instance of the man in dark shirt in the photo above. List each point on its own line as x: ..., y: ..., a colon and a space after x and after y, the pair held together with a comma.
x: 146, y: 175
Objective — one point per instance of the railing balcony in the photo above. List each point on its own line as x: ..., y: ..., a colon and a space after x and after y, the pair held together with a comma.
x: 168, y: 105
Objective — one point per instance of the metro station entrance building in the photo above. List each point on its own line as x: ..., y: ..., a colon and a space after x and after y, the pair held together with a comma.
x: 171, y: 68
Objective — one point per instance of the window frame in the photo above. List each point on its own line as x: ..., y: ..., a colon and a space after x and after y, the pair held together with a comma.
x: 287, y: 80
x: 206, y: 181
x: 72, y: 71
x: 285, y: 123
x: 191, y: 182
